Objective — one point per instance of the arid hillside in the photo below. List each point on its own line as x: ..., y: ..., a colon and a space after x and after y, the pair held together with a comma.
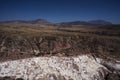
x: 23, y: 42
x: 29, y: 41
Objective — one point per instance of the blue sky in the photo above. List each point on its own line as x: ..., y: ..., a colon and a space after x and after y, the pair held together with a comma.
x: 60, y: 10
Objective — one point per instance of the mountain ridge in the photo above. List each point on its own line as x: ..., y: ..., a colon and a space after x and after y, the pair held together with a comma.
x: 92, y: 22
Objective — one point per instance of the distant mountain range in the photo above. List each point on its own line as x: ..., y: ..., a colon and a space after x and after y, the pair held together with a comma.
x: 86, y: 23
x: 34, y: 23
x: 99, y: 22
x: 44, y: 23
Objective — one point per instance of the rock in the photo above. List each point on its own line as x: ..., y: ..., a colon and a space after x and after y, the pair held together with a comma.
x: 54, y: 68
x: 112, y: 76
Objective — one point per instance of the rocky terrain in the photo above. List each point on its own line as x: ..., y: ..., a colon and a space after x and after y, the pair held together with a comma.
x: 54, y: 68
x: 40, y: 50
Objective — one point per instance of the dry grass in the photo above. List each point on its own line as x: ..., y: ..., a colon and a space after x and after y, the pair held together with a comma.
x: 98, y: 40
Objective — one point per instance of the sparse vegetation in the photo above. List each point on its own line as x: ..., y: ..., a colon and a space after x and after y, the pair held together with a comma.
x: 31, y: 41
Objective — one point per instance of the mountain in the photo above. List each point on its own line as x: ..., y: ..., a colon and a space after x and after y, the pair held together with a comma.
x: 99, y: 22
x: 73, y: 23
x: 45, y: 23
x: 85, y: 23
x: 25, y: 21
x: 35, y: 23
x: 76, y: 23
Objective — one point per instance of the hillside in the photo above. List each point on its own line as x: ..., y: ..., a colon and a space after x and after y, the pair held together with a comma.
x: 21, y: 40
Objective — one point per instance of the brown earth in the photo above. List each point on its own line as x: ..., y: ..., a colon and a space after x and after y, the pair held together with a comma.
x: 25, y: 42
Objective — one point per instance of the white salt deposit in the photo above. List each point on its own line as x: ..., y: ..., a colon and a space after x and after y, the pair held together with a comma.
x: 76, y: 68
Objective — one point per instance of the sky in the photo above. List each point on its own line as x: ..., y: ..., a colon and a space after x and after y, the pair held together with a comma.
x: 60, y: 10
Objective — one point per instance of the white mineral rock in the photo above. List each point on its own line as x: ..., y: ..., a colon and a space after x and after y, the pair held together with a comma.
x: 54, y: 68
